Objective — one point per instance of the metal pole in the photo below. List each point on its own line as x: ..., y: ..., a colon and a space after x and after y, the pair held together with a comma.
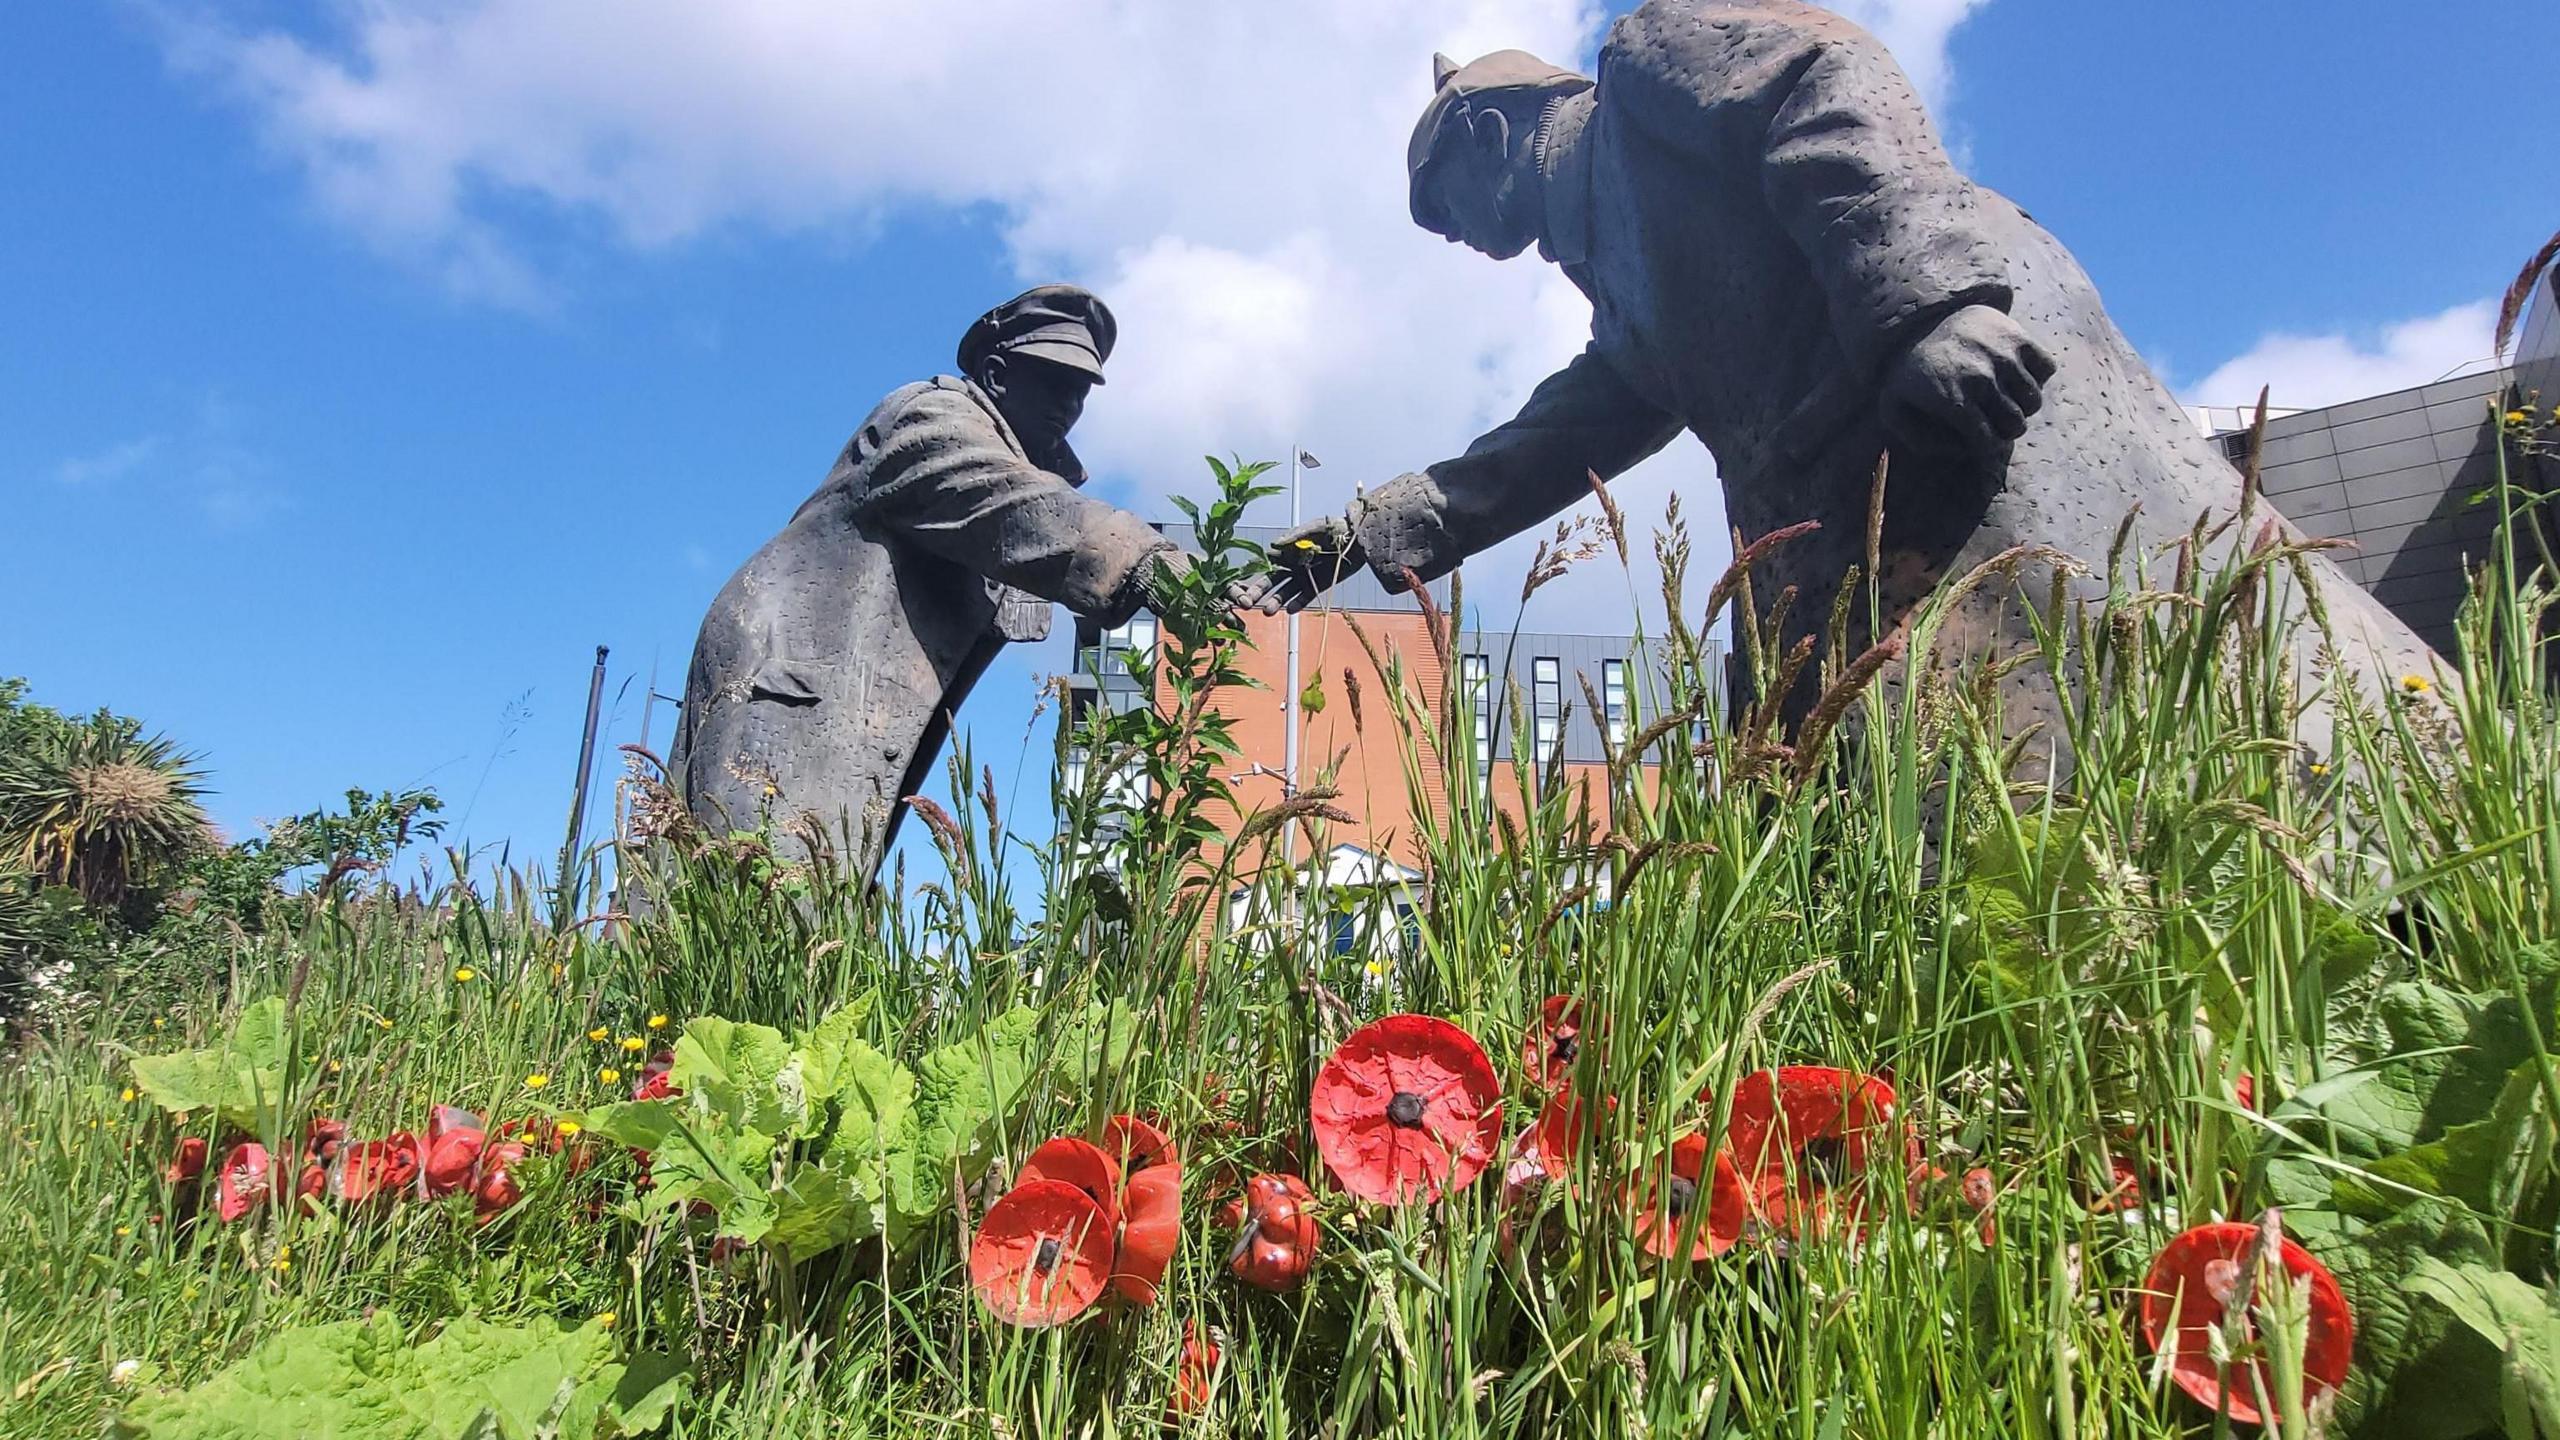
x: 578, y: 805
x: 1289, y: 693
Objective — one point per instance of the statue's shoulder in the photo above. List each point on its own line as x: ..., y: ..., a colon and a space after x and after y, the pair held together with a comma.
x: 1677, y: 39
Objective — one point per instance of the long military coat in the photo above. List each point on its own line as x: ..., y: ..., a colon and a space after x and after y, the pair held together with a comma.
x: 1756, y: 205
x: 828, y: 669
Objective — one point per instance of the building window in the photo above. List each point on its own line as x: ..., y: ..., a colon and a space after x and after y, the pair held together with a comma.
x: 1546, y: 699
x: 1613, y: 699
x: 1345, y: 933
x: 1135, y: 638
x: 1475, y: 682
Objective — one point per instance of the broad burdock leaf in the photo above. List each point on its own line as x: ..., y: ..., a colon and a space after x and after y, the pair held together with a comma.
x: 734, y: 1069
x: 363, y: 1380
x: 2417, y: 1375
x: 963, y: 1092
x: 2523, y: 1323
x: 242, y: 1079
x: 2475, y: 1164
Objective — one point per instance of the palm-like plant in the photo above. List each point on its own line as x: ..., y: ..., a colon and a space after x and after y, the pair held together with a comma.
x: 97, y: 806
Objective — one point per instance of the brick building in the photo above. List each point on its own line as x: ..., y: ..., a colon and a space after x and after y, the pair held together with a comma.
x: 1560, y: 700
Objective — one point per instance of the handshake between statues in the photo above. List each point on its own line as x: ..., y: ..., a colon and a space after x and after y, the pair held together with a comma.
x: 1966, y: 388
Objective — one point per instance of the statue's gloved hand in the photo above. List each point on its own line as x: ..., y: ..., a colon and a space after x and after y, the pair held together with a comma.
x: 1969, y: 384
x: 1305, y: 563
x: 1162, y: 586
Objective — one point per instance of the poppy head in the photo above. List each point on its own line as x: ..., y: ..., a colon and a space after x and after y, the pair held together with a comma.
x: 1407, y: 1107
x: 1150, y: 1229
x: 322, y: 1137
x: 1133, y: 1144
x: 243, y: 1184
x: 2124, y: 1188
x: 1559, y: 1131
x: 497, y: 1187
x: 1042, y: 1256
x: 374, y: 1169
x: 1079, y: 1164
x: 2198, y: 1277
x: 654, y: 1086
x: 1697, y: 1191
x: 1547, y: 1052
x: 1197, y: 1367
x: 186, y: 1166
x: 1801, y: 1132
x: 442, y: 1118
x: 451, y: 1160
x: 1278, y: 1245
x: 2244, y: 1088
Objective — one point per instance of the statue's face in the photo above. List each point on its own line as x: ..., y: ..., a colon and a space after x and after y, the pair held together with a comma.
x: 1481, y: 200
x: 1040, y: 400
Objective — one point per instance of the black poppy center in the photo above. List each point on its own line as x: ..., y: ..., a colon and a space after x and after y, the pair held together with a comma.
x: 1684, y: 1193
x: 1568, y: 1044
x: 1405, y: 1111
x: 1826, y: 1158
x: 1045, y: 1259
x: 1139, y: 1160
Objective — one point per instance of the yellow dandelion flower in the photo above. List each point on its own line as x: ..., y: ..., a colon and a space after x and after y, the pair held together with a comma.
x: 600, y: 1034
x: 382, y: 1022
x: 536, y: 1080
x: 567, y: 1129
x: 2319, y: 769
x: 558, y: 969
x: 634, y: 1044
x: 2414, y: 684
x: 336, y: 1067
x: 159, y: 1022
x: 123, y: 1230
x: 2519, y: 417
x: 129, y: 1094
x: 657, y: 1022
x: 284, y: 1252
x: 1302, y: 544
x: 462, y: 975
x: 607, y: 1320
x: 609, y: 1075
x: 283, y: 1264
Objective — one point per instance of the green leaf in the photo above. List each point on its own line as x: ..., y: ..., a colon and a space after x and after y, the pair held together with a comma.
x: 2521, y: 1321
x: 733, y: 1069
x: 362, y: 1380
x: 242, y: 1078
x: 2471, y: 1163
x: 2417, y: 1375
x: 964, y: 1091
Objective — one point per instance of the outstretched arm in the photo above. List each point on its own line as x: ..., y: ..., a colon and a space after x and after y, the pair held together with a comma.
x: 1580, y: 421
x: 943, y: 477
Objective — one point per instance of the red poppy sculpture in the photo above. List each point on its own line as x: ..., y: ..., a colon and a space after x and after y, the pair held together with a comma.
x: 1042, y: 1254
x: 1197, y: 1367
x: 245, y: 1181
x: 1548, y: 1051
x: 374, y: 1169
x: 187, y: 1165
x: 1802, y: 1138
x: 2199, y: 1277
x: 1407, y: 1108
x: 1150, y: 1230
x: 1278, y: 1246
x: 1702, y: 1201
x: 1081, y: 1164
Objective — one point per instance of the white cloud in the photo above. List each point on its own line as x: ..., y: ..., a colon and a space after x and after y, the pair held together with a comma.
x: 2305, y: 372
x: 113, y: 463
x: 1228, y: 176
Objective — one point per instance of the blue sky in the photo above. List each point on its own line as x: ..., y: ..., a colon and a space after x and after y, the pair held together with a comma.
x: 362, y: 368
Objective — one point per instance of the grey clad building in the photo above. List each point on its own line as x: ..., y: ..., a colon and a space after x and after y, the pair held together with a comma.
x: 2403, y: 475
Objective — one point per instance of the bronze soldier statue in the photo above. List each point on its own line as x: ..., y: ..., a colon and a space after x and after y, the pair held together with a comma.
x: 1781, y: 260
x: 828, y: 669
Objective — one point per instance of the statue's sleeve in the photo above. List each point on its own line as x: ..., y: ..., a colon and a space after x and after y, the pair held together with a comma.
x: 1842, y: 149
x: 1580, y: 421
x: 943, y: 477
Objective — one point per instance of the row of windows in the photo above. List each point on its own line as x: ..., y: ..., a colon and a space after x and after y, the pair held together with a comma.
x: 1546, y: 705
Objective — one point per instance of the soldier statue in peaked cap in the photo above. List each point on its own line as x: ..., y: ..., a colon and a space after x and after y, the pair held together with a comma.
x: 828, y: 669
x: 1782, y: 261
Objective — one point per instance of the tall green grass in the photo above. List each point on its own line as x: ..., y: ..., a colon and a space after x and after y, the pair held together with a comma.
x: 2052, y: 977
